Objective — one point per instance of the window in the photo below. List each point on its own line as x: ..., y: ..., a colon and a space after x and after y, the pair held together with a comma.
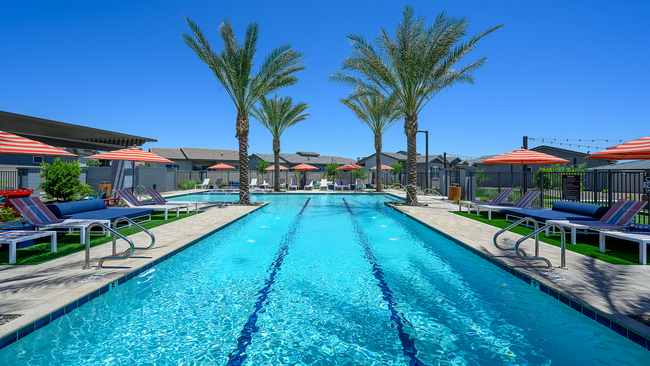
x: 171, y: 166
x: 236, y: 166
x: 37, y: 159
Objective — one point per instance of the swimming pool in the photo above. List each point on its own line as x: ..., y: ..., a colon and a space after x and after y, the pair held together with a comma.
x: 324, y: 280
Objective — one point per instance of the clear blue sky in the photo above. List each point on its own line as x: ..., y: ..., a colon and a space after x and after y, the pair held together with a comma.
x: 565, y: 70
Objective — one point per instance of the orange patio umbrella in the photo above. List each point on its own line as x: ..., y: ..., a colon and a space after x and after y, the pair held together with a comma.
x: 350, y: 166
x: 525, y: 157
x: 304, y: 167
x: 14, y: 144
x: 383, y: 167
x: 636, y: 149
x: 272, y: 167
x: 221, y: 166
x: 129, y: 154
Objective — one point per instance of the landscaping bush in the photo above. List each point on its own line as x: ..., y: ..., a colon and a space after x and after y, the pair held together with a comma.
x: 189, y: 184
x: 61, y: 181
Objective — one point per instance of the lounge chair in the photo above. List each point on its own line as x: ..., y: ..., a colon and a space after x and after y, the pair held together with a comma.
x: 498, y: 200
x: 310, y: 185
x: 131, y: 201
x: 253, y: 182
x: 40, y: 216
x: 293, y: 184
x: 162, y: 201
x: 217, y: 184
x: 264, y: 184
x: 359, y: 185
x: 12, y: 238
x: 525, y: 201
x: 618, y: 217
x: 283, y: 183
x: 642, y: 238
x: 341, y: 183
x: 323, y: 184
x: 204, y: 185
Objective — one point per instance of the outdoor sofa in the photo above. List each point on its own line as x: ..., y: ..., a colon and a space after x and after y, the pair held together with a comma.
x: 97, y: 210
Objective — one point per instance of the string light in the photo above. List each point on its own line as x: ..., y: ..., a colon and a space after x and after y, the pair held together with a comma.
x: 572, y: 142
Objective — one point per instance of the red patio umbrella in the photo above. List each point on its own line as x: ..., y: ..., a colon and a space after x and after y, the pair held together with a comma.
x: 14, y: 144
x: 221, y: 166
x: 350, y: 166
x: 304, y: 167
x: 383, y: 167
x: 636, y: 149
x: 129, y: 154
x: 272, y: 167
x: 525, y: 157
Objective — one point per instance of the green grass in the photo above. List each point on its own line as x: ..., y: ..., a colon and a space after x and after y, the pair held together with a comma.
x: 69, y: 243
x: 617, y: 252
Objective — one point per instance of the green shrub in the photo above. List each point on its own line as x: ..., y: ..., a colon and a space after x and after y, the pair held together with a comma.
x: 61, y: 180
x: 189, y: 184
x: 360, y: 174
x: 261, y: 166
x: 8, y: 214
x: 331, y: 172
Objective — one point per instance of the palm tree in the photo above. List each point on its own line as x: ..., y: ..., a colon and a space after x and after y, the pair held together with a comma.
x: 233, y: 66
x: 413, y: 68
x: 277, y: 115
x: 379, y: 113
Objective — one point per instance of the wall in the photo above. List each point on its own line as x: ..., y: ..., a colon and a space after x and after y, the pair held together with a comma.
x: 164, y: 179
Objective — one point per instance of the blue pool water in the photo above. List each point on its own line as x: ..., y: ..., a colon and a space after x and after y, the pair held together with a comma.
x: 324, y: 280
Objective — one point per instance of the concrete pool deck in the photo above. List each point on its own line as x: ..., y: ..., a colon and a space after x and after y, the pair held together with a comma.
x: 615, y: 291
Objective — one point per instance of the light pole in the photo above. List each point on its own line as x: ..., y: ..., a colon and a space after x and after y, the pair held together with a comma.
x: 426, y: 157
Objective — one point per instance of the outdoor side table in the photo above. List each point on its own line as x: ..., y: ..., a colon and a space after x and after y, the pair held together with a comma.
x: 15, y: 237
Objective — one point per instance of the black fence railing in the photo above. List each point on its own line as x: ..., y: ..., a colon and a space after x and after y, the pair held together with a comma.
x: 601, y: 188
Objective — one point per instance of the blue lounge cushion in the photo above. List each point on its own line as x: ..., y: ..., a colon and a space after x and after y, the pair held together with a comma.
x: 68, y: 208
x: 563, y: 210
x: 583, y: 209
x: 94, y: 210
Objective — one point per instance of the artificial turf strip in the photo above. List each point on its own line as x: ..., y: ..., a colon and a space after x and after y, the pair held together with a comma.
x: 69, y: 243
x: 617, y: 251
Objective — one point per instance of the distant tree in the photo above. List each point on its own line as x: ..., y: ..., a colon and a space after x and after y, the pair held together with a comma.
x: 261, y: 166
x: 413, y: 67
x: 397, y: 168
x: 377, y: 112
x: 277, y: 115
x: 330, y: 170
x: 233, y: 68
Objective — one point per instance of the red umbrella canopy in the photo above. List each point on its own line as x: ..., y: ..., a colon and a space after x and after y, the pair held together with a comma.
x: 383, y: 167
x: 14, y: 144
x: 272, y: 167
x: 221, y: 166
x: 131, y: 154
x: 304, y: 167
x: 636, y: 149
x: 350, y: 166
x: 525, y: 157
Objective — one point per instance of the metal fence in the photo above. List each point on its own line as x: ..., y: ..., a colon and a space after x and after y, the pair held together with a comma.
x: 9, y: 179
x: 601, y: 188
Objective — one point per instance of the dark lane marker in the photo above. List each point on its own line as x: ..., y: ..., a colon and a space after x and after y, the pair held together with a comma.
x: 238, y: 355
x: 408, y: 343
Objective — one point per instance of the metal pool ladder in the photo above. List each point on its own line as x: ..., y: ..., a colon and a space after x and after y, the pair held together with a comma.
x: 522, y: 254
x: 127, y: 254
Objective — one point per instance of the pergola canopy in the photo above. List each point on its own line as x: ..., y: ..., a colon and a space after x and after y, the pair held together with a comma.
x: 67, y: 135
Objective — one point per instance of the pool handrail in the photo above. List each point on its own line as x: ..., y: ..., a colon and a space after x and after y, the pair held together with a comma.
x: 127, y: 253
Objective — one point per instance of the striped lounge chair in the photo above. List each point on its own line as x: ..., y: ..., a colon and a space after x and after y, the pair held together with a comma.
x: 341, y: 183
x: 310, y: 184
x: 642, y: 238
x: 131, y: 201
x: 323, y: 184
x: 283, y: 183
x: 359, y: 185
x: 293, y: 184
x: 162, y: 201
x: 525, y: 201
x: 34, y: 211
x: 498, y: 200
x: 618, y: 217
x: 264, y: 184
x: 12, y: 238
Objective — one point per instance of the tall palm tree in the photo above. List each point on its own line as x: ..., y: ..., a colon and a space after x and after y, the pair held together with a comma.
x: 277, y: 115
x: 379, y: 113
x: 233, y: 66
x: 413, y: 68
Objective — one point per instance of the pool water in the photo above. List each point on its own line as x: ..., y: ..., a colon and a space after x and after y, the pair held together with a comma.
x: 324, y: 280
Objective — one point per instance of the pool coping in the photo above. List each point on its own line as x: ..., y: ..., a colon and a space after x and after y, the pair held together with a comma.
x: 28, y: 329
x: 586, y: 310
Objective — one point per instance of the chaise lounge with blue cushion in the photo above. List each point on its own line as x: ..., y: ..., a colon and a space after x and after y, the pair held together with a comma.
x: 562, y: 210
x: 96, y: 210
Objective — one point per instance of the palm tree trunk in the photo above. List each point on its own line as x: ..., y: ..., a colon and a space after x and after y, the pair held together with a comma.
x: 411, y: 130
x: 276, y: 152
x: 242, y: 136
x: 378, y: 161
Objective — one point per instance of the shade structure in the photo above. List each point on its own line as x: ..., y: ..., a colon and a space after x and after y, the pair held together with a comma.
x: 525, y: 157
x: 221, y: 166
x: 14, y: 144
x: 636, y: 149
x: 272, y: 167
x: 304, y: 167
x: 131, y: 154
x: 383, y: 167
x: 350, y: 166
